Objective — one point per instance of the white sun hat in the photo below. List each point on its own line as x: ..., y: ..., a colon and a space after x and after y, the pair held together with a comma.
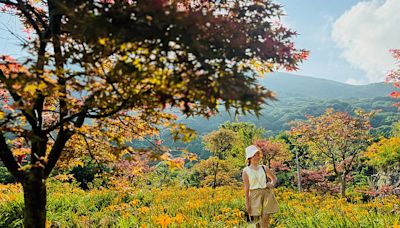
x: 251, y: 151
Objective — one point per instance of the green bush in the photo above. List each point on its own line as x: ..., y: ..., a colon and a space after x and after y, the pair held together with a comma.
x: 5, y: 176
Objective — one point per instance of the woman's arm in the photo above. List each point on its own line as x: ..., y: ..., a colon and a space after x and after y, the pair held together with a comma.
x: 271, y: 176
x: 246, y: 189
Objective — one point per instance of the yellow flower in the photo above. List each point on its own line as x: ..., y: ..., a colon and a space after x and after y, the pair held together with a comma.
x: 225, y: 210
x: 134, y: 202
x: 144, y: 210
x: 238, y: 213
x: 179, y: 218
x: 163, y: 220
x: 111, y: 208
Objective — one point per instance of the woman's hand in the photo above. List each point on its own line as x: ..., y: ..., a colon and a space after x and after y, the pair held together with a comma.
x: 270, y: 185
x: 271, y: 176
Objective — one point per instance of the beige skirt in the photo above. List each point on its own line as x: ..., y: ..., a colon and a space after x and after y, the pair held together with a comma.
x: 263, y: 202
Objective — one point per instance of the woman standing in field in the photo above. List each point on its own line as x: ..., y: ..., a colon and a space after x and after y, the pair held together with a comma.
x: 260, y: 200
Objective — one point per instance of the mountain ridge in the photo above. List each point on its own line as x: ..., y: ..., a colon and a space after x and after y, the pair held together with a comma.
x: 291, y: 85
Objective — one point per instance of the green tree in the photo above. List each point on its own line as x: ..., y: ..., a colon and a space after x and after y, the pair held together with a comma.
x: 247, y: 133
x: 298, y: 149
x: 396, y: 129
x: 203, y: 172
x: 95, y: 59
x: 384, y: 155
x: 220, y: 143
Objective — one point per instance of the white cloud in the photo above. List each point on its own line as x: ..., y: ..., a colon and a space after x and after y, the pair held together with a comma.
x: 366, y: 32
x: 353, y: 81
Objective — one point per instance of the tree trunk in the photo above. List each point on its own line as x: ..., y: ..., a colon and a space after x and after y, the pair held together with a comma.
x: 343, y: 185
x: 215, y: 175
x: 298, y: 172
x: 35, y: 199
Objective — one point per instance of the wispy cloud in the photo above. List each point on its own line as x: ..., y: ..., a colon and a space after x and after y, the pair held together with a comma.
x: 353, y: 81
x: 365, y: 33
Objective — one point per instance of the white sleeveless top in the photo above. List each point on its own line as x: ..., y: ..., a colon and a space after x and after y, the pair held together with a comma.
x: 257, y: 178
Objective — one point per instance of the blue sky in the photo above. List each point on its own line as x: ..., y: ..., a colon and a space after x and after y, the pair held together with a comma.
x: 9, y: 45
x: 348, y: 39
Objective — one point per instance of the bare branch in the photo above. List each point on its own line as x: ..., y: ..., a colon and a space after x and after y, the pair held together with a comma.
x: 17, y: 36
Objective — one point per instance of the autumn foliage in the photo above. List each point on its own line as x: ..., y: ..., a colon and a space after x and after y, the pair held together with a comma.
x: 98, y: 74
x: 336, y: 138
x: 394, y: 76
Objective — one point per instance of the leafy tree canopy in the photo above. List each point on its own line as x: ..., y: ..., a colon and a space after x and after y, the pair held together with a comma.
x: 124, y: 59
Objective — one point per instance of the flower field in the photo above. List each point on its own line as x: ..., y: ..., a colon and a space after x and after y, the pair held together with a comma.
x: 126, y: 206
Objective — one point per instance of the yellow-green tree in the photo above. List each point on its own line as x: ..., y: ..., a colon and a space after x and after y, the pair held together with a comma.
x: 220, y: 143
x: 396, y: 129
x: 247, y: 133
x: 227, y: 172
x: 385, y: 154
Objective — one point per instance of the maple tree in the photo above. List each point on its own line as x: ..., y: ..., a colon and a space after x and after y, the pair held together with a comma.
x: 394, y: 76
x: 318, y: 179
x: 338, y: 137
x: 122, y: 59
x: 272, y: 150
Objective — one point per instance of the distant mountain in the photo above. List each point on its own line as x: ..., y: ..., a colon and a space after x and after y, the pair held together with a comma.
x: 297, y: 96
x: 290, y: 85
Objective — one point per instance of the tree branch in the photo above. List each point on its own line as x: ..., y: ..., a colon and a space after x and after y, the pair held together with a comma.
x: 21, y: 6
x: 17, y: 98
x: 90, y: 153
x: 7, y: 2
x: 55, y: 152
x: 62, y: 122
x: 59, y: 144
x: 116, y: 110
x: 7, y: 119
x: 39, y: 16
x: 38, y: 106
x: 9, y: 160
x: 55, y: 25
